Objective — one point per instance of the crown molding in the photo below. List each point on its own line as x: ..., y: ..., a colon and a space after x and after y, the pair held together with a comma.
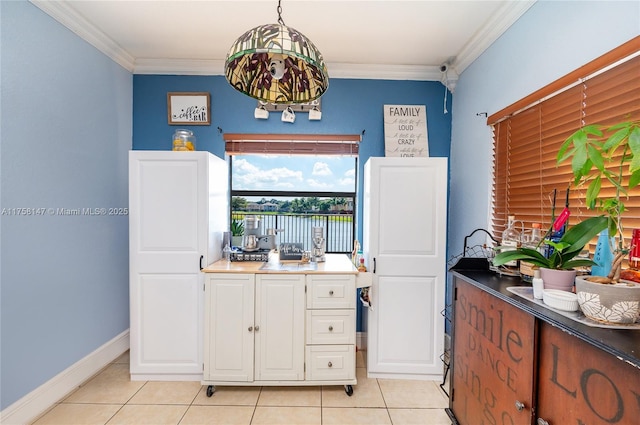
x: 336, y: 70
x: 384, y: 71
x: 63, y: 13
x: 179, y: 66
x: 499, y: 23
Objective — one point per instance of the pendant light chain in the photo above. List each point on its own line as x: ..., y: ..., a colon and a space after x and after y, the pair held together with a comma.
x: 280, y: 21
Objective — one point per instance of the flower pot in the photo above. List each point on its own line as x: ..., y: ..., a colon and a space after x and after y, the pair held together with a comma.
x: 558, y: 279
x: 236, y: 241
x: 607, y: 303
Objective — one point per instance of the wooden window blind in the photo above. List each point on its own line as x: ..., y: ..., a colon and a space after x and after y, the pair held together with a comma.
x: 292, y: 144
x: 527, y: 140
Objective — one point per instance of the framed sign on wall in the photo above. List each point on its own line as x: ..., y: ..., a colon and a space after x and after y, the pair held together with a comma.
x: 193, y: 108
x: 405, y: 131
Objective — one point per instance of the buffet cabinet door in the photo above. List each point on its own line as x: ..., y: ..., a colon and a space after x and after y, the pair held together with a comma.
x: 493, y: 356
x: 581, y: 384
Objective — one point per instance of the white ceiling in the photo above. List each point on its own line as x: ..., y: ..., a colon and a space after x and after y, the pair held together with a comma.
x: 391, y: 39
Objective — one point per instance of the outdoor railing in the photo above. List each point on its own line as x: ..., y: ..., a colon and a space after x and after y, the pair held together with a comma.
x: 338, y: 228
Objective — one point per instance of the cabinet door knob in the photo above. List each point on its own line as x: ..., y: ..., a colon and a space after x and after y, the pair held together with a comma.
x: 250, y: 328
x: 257, y: 328
x: 331, y: 292
x: 330, y: 328
x: 542, y: 422
x: 330, y: 364
x: 519, y: 406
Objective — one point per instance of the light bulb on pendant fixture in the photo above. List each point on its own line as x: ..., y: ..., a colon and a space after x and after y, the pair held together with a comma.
x: 315, y: 114
x: 261, y: 112
x: 288, y: 115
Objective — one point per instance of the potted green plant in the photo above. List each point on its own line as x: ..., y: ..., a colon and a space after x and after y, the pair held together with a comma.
x: 237, y: 230
x: 564, y: 253
x: 595, y: 159
x: 601, y: 153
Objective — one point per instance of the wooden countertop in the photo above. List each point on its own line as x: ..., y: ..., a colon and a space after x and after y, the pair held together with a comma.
x: 334, y: 264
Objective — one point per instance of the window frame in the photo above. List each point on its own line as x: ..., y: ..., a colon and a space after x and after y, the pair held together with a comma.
x: 294, y: 144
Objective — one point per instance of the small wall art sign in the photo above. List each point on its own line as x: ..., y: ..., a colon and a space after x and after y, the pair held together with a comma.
x: 405, y: 131
x: 291, y: 251
x: 189, y: 108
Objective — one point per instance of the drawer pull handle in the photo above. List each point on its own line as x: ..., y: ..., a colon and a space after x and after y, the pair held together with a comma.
x: 330, y: 364
x: 330, y: 328
x: 331, y: 292
x: 257, y: 328
x: 519, y: 406
x: 250, y: 328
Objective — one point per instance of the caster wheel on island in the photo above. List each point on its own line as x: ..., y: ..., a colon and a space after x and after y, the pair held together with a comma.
x: 210, y: 390
x: 349, y: 390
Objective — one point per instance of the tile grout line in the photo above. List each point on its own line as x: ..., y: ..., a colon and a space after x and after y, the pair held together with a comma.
x: 255, y: 406
x: 125, y: 403
x: 189, y: 405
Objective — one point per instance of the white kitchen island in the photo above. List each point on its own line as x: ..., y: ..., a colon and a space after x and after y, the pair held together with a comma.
x: 280, y: 324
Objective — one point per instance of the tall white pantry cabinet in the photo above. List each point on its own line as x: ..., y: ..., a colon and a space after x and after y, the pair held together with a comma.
x: 404, y: 243
x: 178, y: 213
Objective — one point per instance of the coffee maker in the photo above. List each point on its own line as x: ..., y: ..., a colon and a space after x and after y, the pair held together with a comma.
x: 253, y: 239
x: 318, y: 240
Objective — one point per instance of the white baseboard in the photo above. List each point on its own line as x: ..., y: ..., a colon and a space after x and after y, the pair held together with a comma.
x: 42, y: 398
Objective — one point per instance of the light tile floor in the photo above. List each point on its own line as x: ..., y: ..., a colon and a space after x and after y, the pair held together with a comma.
x: 111, y: 398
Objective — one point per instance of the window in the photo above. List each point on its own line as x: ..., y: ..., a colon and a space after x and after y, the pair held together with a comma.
x: 295, y: 183
x: 528, y: 135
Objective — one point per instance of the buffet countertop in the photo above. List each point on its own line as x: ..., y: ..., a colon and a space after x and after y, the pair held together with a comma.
x: 334, y: 264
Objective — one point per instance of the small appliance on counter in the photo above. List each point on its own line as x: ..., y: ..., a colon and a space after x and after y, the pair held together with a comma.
x: 318, y: 250
x: 255, y: 245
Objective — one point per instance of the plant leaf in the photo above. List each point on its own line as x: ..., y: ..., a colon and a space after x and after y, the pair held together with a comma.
x: 634, y: 179
x: 634, y: 145
x: 612, y: 143
x: 579, y: 235
x: 596, y: 157
x: 572, y: 264
x: 592, y: 192
x: 528, y: 254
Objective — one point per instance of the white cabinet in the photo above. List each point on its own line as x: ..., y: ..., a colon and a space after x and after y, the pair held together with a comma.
x: 178, y: 211
x: 229, y: 327
x: 404, y: 242
x: 279, y: 329
x: 254, y: 328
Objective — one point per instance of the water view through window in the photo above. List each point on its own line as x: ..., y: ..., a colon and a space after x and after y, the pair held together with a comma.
x: 295, y: 193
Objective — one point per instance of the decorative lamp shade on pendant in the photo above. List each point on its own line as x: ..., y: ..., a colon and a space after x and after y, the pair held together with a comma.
x: 276, y: 64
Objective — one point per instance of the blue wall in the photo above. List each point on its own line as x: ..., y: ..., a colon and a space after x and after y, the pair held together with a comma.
x: 348, y: 107
x: 552, y: 39
x: 66, y: 131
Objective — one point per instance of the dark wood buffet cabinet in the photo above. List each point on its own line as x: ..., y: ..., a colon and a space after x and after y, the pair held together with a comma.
x: 515, y: 362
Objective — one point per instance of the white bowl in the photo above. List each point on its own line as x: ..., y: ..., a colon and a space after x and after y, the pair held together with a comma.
x: 562, y: 300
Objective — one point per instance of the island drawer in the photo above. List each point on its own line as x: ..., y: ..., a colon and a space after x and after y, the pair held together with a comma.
x: 330, y: 362
x: 331, y: 327
x: 331, y: 291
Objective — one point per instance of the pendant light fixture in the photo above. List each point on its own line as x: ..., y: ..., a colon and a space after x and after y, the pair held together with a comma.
x: 276, y: 64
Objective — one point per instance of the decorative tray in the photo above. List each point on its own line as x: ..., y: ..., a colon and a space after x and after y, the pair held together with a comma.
x: 527, y: 293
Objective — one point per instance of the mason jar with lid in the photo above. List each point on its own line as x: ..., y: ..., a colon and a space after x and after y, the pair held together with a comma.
x: 184, y: 140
